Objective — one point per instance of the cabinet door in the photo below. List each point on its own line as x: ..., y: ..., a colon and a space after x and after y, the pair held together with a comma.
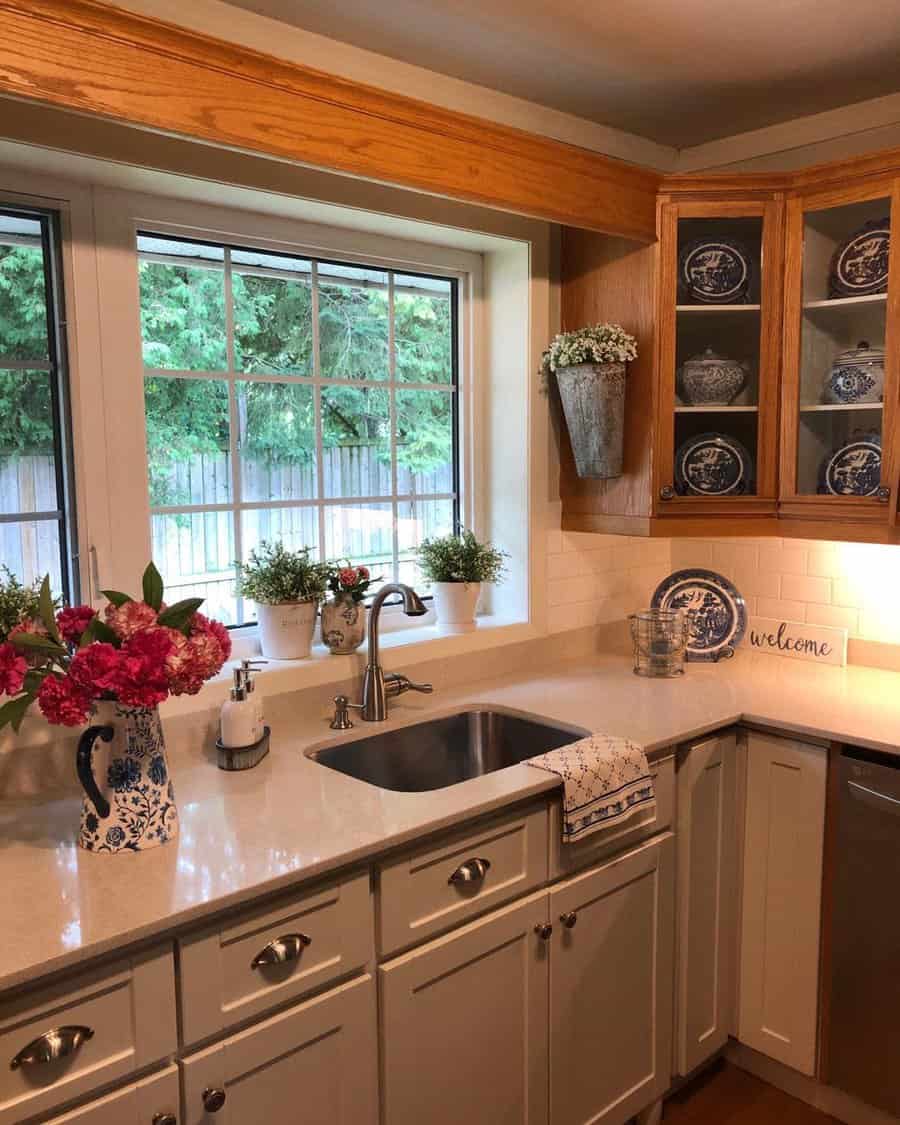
x: 611, y: 988
x: 464, y: 1024
x: 779, y: 975
x: 316, y: 1062
x: 706, y: 937
x: 142, y: 1103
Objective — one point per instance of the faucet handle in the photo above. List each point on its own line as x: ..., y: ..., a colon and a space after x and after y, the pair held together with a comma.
x: 396, y: 684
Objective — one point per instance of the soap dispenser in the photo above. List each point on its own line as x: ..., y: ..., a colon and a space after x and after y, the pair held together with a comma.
x: 239, y: 723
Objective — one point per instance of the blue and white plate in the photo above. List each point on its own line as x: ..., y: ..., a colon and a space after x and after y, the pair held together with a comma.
x: 853, y: 468
x: 717, y: 614
x: 860, y: 265
x: 712, y: 465
x: 715, y: 271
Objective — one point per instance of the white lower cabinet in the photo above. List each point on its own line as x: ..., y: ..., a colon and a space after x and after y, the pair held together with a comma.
x: 464, y: 1024
x: 782, y: 899
x: 316, y: 1062
x: 611, y: 987
x: 707, y: 899
x: 153, y: 1101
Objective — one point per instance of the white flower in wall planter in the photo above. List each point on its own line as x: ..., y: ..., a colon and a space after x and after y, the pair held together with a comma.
x: 589, y: 366
x: 457, y: 566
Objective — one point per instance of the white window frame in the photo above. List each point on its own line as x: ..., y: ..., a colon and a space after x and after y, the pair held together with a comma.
x: 119, y: 218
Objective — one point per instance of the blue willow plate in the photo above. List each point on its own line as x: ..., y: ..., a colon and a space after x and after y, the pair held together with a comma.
x: 853, y: 468
x: 715, y: 271
x: 860, y: 265
x: 717, y: 614
x: 712, y: 465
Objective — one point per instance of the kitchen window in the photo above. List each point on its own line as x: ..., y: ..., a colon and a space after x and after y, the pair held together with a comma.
x: 37, y: 516
x: 297, y: 399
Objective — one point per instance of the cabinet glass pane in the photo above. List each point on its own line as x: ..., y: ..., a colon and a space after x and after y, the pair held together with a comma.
x: 717, y: 355
x: 845, y: 264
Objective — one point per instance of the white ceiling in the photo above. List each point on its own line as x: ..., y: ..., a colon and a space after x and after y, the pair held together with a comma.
x: 680, y: 72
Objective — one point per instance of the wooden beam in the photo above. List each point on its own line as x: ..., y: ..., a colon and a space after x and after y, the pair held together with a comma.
x: 87, y: 56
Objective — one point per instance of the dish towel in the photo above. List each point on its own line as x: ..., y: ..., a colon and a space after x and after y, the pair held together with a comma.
x: 606, y: 780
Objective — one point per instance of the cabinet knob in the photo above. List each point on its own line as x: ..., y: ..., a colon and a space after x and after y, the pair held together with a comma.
x: 569, y: 919
x: 667, y: 492
x: 164, y: 1119
x: 883, y: 493
x: 472, y: 871
x: 213, y: 1099
x: 288, y: 947
x: 544, y: 930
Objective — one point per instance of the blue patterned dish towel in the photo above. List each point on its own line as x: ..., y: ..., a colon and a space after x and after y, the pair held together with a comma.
x: 606, y: 780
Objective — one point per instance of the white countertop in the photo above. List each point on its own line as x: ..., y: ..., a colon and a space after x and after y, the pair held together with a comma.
x: 289, y: 819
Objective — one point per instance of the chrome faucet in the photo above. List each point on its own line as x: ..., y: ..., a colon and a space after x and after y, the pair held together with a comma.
x: 378, y: 685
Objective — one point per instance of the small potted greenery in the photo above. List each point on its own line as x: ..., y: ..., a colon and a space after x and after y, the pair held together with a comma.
x: 344, y: 617
x: 287, y: 588
x: 456, y: 566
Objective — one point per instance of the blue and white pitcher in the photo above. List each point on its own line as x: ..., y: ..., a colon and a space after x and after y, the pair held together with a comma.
x: 129, y: 802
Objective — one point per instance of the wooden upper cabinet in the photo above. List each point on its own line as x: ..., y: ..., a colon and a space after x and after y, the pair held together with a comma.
x: 840, y: 456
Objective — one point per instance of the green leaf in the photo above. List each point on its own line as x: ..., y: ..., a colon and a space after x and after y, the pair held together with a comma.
x: 48, y: 615
x: 179, y: 614
x: 34, y: 679
x: 13, y: 712
x: 153, y: 586
x: 116, y: 597
x: 100, y: 631
x: 35, y: 640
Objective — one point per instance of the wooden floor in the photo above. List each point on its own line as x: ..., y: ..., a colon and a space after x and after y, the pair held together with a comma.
x: 726, y: 1095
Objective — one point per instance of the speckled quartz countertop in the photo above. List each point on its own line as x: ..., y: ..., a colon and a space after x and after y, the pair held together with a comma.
x: 247, y: 834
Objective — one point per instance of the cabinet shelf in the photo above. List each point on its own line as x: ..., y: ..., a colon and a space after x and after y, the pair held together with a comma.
x: 718, y: 308
x: 847, y: 302
x: 816, y: 407
x: 716, y: 409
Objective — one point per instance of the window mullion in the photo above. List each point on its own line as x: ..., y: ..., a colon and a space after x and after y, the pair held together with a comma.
x: 392, y: 395
x: 234, y: 443
x: 317, y: 408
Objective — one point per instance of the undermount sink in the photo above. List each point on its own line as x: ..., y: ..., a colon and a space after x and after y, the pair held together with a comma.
x: 445, y: 751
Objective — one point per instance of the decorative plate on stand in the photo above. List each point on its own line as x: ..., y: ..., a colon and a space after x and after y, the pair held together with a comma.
x: 715, y: 271
x: 712, y: 465
x: 853, y: 468
x: 717, y: 614
x: 860, y: 264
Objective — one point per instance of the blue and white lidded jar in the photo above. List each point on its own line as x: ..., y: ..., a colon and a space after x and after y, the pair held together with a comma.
x: 856, y: 375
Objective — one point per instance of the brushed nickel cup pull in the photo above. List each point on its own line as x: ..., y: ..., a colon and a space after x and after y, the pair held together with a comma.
x: 569, y: 919
x: 213, y: 1099
x: 164, y: 1119
x: 472, y: 871
x: 544, y: 930
x: 288, y: 947
x: 52, y: 1045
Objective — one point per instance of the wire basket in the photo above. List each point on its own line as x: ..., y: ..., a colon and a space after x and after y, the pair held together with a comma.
x: 660, y: 638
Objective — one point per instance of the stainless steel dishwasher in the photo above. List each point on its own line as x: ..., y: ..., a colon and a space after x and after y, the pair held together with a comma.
x: 863, y: 1049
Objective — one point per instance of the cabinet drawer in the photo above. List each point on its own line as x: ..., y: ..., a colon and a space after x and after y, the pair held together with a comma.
x: 435, y: 887
x: 141, y: 1103
x: 125, y: 1014
x: 322, y: 934
x: 565, y: 858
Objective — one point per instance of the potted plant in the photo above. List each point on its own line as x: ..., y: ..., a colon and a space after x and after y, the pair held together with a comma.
x: 344, y: 617
x: 456, y: 566
x: 589, y: 366
x: 287, y: 588
x: 113, y: 668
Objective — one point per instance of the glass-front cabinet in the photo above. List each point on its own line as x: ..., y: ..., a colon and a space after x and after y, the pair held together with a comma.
x: 840, y: 356
x: 719, y: 329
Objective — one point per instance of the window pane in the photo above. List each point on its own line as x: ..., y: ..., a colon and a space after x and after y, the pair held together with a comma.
x: 278, y: 441
x: 182, y: 316
x: 31, y: 549
x: 23, y: 297
x: 353, y: 323
x: 424, y: 441
x: 272, y: 324
x: 295, y: 527
x: 363, y: 533
x: 423, y: 330
x: 418, y: 520
x: 27, y: 462
x: 187, y: 441
x: 194, y: 552
x: 356, y: 455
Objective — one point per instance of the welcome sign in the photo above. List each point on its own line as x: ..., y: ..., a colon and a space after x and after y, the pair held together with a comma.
x: 821, y: 644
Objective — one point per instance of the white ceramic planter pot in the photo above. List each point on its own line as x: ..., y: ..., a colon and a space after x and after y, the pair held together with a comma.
x: 286, y: 630
x: 455, y: 604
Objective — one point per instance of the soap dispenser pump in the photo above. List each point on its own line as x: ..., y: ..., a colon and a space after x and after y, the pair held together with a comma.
x: 251, y: 688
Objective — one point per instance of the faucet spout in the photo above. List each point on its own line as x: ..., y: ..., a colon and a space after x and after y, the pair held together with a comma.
x: 374, y: 704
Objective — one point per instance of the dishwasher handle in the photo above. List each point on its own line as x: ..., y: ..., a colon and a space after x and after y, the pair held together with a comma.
x: 873, y: 798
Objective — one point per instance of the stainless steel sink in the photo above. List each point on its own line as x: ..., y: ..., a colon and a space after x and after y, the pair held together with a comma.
x: 445, y: 751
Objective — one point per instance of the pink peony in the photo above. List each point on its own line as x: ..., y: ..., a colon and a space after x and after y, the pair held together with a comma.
x: 73, y: 621
x: 13, y: 667
x: 347, y: 576
x: 61, y: 701
x: 34, y: 658
x: 95, y: 669
x: 130, y: 618
x: 142, y: 679
x: 220, y: 633
x: 363, y: 572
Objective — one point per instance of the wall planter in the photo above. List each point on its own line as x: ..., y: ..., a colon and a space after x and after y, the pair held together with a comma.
x: 286, y: 629
x: 455, y: 604
x: 593, y: 402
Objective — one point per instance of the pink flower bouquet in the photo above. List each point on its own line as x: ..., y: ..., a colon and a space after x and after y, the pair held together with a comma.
x: 137, y: 652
